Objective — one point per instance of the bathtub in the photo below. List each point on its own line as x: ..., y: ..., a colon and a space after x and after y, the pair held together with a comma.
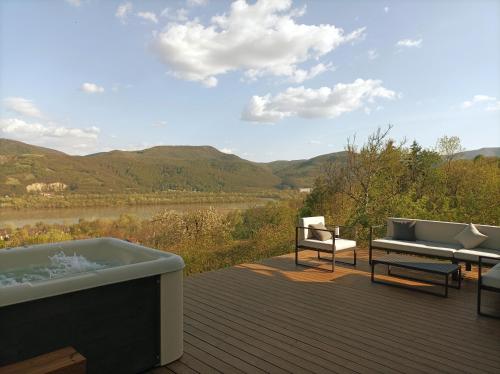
x: 124, y: 318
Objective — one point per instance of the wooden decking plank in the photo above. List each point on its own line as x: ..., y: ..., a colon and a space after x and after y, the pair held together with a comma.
x: 264, y: 352
x: 275, y: 317
x: 342, y: 297
x: 195, y: 359
x: 179, y: 367
x: 380, y: 356
x: 348, y: 294
x: 454, y: 343
x: 417, y: 304
x: 382, y: 352
x: 294, y: 345
x: 224, y: 352
x: 450, y: 362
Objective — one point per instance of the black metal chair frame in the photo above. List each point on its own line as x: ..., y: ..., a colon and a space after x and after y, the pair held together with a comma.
x: 318, y: 250
x: 482, y: 287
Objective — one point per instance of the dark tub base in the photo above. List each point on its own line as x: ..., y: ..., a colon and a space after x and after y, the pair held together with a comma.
x: 116, y: 327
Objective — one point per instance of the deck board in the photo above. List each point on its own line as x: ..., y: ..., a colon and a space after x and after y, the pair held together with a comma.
x: 275, y: 317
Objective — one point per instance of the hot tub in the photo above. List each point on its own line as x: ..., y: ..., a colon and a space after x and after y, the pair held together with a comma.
x: 119, y: 304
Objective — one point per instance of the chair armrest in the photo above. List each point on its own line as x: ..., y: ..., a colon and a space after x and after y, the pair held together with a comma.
x: 372, y: 227
x: 351, y: 228
x: 327, y: 229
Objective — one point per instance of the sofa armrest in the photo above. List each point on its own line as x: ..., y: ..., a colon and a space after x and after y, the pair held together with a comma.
x: 480, y: 265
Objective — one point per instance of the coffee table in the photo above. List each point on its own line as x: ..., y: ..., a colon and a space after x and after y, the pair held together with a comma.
x: 424, y: 265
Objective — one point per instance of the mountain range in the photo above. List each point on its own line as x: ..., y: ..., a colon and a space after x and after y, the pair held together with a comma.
x: 26, y: 167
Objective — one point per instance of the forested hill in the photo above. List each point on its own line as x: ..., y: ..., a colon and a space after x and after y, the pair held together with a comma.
x: 25, y: 167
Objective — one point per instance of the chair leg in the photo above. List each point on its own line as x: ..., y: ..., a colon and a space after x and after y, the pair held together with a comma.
x: 479, y: 300
x: 333, y: 261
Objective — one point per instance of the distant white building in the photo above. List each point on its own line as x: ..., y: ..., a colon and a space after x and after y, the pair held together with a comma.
x: 305, y: 190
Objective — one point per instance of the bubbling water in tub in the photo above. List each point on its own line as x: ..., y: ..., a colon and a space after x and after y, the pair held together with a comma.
x: 61, y: 265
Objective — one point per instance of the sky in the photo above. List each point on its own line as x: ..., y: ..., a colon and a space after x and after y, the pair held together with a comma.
x: 265, y: 80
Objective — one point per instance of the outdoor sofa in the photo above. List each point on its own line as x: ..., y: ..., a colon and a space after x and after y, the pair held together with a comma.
x: 305, y: 239
x: 438, y: 239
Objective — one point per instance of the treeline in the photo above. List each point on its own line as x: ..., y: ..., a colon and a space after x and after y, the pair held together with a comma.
x: 383, y: 178
x: 37, y: 201
x: 206, y: 239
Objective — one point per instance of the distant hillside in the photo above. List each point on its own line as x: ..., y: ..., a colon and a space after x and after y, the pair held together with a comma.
x: 25, y: 167
x: 154, y: 169
x: 486, y: 152
x: 302, y: 173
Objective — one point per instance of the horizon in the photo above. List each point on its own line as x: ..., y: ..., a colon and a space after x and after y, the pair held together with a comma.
x: 84, y: 77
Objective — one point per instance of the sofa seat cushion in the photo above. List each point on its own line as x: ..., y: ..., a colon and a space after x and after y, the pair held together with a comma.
x: 340, y: 244
x: 473, y: 254
x: 492, y: 277
x: 420, y: 247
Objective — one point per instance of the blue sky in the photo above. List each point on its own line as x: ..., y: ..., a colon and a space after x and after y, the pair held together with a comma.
x: 265, y: 80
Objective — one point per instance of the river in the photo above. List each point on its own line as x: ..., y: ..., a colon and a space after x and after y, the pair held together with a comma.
x: 19, y: 218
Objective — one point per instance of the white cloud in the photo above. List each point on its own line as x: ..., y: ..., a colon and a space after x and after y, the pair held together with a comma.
x: 123, y: 11
x: 160, y: 124
x: 22, y: 106
x: 314, y: 142
x: 386, y: 9
x: 193, y: 3
x: 23, y: 130
x: 301, y: 75
x: 410, y: 43
x: 492, y: 103
x: 260, y: 39
x: 76, y: 3
x: 179, y: 15
x: 372, y: 54
x: 91, y: 88
x: 228, y: 151
x: 148, y: 16
x: 324, y: 102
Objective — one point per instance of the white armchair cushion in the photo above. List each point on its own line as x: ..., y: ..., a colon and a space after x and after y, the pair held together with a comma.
x: 340, y: 244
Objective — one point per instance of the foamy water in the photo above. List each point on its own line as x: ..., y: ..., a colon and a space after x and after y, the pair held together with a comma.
x: 61, y: 265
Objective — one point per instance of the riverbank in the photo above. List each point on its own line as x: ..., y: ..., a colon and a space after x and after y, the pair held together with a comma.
x: 59, y: 201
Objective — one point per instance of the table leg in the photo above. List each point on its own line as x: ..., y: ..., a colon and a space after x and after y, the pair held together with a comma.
x: 459, y: 277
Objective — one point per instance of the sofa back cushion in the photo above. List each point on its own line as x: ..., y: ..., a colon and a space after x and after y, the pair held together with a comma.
x: 493, y: 233
x: 404, y: 230
x: 445, y: 232
x: 305, y: 233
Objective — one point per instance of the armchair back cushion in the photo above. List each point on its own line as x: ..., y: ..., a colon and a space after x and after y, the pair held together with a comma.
x: 318, y: 233
x: 305, y: 233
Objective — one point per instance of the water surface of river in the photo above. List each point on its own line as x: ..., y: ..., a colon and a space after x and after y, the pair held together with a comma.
x: 19, y: 218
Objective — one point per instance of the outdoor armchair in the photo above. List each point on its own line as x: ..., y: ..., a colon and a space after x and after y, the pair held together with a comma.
x: 305, y: 240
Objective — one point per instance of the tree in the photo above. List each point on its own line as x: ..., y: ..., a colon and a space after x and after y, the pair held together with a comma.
x: 449, y: 148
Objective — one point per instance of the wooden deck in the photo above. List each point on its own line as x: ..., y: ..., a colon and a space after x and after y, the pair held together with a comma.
x: 276, y: 318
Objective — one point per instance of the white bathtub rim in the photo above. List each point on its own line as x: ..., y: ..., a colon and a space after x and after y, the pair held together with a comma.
x: 165, y: 263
